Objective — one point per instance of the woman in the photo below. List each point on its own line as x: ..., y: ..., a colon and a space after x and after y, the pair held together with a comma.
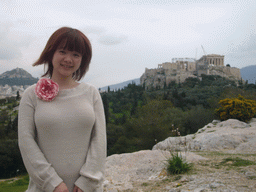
x: 61, y: 127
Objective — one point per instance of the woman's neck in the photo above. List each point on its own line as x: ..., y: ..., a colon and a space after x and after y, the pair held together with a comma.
x: 65, y: 83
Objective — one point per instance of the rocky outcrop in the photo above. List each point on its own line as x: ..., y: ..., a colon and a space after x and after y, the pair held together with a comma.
x: 134, y: 171
x: 231, y: 135
x: 142, y: 166
x: 231, y: 73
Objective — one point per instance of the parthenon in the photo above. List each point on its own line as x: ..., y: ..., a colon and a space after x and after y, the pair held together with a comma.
x: 213, y: 59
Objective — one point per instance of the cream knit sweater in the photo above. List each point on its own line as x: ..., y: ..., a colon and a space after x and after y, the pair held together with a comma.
x: 63, y: 140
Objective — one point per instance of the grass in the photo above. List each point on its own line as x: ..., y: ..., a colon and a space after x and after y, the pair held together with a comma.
x: 252, y: 177
x: 144, y: 184
x: 177, y: 165
x: 177, y: 178
x: 236, y: 161
x: 229, y: 161
x: 217, y: 153
x: 19, y: 185
x: 211, y: 131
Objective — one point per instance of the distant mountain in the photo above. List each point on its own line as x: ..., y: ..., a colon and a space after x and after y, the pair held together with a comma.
x: 249, y: 73
x: 17, y: 76
x: 121, y: 85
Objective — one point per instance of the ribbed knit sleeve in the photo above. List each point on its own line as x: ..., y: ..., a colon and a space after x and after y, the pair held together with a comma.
x: 92, y: 172
x: 40, y: 170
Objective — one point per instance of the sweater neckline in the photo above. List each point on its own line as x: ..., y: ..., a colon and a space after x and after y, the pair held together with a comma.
x: 70, y: 88
x: 71, y: 91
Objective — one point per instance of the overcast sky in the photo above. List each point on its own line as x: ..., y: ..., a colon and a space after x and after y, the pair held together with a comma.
x: 129, y: 35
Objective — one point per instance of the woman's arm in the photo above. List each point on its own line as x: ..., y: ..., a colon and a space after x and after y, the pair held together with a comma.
x: 92, y: 172
x: 40, y: 171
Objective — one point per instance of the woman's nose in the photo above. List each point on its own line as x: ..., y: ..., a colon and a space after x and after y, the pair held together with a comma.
x: 68, y: 58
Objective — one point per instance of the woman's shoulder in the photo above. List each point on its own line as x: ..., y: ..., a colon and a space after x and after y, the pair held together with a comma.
x: 90, y: 87
x: 29, y: 90
x: 92, y: 90
x: 29, y: 94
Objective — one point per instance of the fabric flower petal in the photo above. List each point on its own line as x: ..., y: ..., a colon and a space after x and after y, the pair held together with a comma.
x: 46, y: 89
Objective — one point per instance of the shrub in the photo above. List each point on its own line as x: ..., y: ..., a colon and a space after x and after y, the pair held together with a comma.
x: 11, y: 162
x: 195, y: 119
x: 236, y: 108
x: 177, y: 165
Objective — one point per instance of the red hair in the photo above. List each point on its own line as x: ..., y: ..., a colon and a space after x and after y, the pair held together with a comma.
x: 71, y: 39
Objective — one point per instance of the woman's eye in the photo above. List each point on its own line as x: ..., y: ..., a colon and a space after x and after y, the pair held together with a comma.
x: 77, y: 55
x: 61, y: 51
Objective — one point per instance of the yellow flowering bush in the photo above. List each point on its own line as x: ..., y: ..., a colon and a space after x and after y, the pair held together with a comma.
x: 236, y: 108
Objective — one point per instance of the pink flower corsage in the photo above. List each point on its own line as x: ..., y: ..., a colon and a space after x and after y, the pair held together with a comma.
x: 46, y: 89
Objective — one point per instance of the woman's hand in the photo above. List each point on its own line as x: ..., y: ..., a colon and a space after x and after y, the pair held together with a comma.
x: 77, y: 189
x: 61, y: 188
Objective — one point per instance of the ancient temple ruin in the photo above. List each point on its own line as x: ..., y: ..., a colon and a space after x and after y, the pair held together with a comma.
x: 180, y: 69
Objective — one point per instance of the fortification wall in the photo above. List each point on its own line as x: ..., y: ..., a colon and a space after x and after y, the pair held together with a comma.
x: 228, y: 72
x: 169, y: 66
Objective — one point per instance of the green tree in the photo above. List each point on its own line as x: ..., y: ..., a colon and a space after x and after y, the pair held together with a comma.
x: 150, y: 125
x: 134, y: 104
x: 114, y: 132
x: 196, y: 118
x: 18, y: 95
x: 106, y: 107
x: 191, y: 82
x: 10, y: 159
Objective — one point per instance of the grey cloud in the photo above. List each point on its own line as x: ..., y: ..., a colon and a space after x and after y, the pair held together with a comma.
x: 8, y: 52
x: 11, y: 42
x: 112, y: 39
x: 104, y: 37
x: 250, y: 45
x: 4, y: 30
x: 248, y: 48
x: 94, y: 30
x: 243, y: 54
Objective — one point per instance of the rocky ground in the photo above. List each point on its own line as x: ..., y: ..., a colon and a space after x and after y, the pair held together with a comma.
x: 214, y: 151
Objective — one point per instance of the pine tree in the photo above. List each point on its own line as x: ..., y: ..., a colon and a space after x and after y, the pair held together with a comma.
x: 18, y: 95
x: 106, y: 107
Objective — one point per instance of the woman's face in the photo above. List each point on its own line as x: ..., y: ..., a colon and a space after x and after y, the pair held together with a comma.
x: 65, y: 62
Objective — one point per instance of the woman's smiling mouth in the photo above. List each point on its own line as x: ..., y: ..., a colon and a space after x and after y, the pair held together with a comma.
x: 66, y: 66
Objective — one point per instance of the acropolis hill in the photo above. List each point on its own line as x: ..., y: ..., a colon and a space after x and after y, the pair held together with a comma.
x: 182, y: 68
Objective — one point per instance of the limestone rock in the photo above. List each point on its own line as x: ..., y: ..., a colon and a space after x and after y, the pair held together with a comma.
x: 231, y: 135
x: 124, y: 169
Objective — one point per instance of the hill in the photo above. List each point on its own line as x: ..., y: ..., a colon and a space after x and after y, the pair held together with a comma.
x: 17, y: 77
x: 249, y: 73
x: 121, y: 85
